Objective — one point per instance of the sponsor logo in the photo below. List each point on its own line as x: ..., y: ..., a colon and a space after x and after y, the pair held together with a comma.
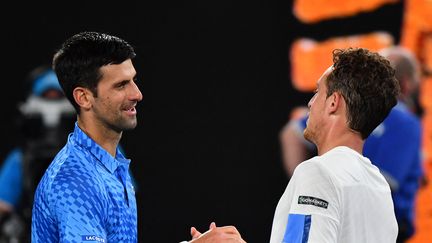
x: 307, y: 200
x: 93, y: 238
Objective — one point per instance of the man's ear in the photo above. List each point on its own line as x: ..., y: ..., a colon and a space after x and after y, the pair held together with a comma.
x: 406, y: 86
x: 334, y: 102
x: 83, y: 97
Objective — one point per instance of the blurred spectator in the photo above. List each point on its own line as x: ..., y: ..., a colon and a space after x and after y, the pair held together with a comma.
x: 45, y: 119
x: 394, y: 146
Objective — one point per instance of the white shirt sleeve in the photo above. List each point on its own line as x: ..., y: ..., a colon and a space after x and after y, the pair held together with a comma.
x: 315, y: 196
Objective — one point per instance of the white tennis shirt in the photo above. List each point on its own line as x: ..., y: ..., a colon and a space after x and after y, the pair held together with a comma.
x: 336, y: 197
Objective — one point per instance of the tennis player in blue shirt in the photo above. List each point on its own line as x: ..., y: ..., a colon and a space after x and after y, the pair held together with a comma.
x: 86, y: 194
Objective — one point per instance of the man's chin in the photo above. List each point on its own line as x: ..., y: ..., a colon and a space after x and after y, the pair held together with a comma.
x: 127, y: 125
x: 308, y: 135
x: 130, y: 126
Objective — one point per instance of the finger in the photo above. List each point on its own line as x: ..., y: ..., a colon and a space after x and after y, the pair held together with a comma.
x: 195, y: 233
x: 229, y: 230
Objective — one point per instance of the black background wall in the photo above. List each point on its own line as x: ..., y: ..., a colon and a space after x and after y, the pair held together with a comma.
x: 217, y: 90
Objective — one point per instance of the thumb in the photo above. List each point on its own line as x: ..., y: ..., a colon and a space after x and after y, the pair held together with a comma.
x: 212, y: 225
x: 195, y: 233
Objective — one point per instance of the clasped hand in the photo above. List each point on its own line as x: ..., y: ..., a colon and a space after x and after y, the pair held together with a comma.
x: 226, y: 234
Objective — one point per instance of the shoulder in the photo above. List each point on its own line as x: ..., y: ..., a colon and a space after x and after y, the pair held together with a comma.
x: 401, y: 116
x: 312, y: 173
x: 14, y: 156
x: 72, y: 186
x: 71, y: 174
x: 310, y: 166
x: 78, y: 175
x: 335, y: 167
x: 12, y: 162
x: 15, y: 153
x: 325, y: 164
x: 312, y: 190
x: 399, y: 125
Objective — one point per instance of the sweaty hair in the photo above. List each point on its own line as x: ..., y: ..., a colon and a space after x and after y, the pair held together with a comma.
x: 77, y: 63
x: 367, y: 82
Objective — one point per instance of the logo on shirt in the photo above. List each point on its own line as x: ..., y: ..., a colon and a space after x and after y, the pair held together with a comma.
x: 307, y: 200
x: 93, y: 238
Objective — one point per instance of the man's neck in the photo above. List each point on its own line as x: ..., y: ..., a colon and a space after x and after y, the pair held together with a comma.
x: 340, y: 136
x: 105, y: 137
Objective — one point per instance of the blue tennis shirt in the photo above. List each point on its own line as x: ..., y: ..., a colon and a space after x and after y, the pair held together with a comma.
x: 86, y: 195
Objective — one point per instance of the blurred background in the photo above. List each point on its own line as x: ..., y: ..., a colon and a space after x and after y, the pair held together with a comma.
x: 220, y: 80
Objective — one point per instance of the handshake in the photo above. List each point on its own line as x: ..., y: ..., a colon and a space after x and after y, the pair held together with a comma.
x: 226, y: 234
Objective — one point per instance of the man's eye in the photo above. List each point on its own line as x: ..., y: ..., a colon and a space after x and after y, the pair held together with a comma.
x: 121, y: 85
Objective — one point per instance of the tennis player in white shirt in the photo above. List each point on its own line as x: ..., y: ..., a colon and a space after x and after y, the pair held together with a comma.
x: 339, y: 196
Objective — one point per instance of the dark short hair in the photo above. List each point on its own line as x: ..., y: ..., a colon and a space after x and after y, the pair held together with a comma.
x: 367, y: 82
x: 77, y: 63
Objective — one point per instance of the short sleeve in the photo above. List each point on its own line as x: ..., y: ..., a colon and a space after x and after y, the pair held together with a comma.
x: 80, y: 209
x: 314, y: 196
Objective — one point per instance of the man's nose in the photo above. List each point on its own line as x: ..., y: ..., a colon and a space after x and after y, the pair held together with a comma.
x: 135, y: 93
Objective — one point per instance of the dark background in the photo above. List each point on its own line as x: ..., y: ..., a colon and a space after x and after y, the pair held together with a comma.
x: 216, y: 84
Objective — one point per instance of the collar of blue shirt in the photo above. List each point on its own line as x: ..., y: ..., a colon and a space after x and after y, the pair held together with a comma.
x: 86, y: 142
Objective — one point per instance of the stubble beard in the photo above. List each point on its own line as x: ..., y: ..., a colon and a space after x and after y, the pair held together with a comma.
x: 308, y: 134
x: 126, y: 124
x: 121, y: 123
